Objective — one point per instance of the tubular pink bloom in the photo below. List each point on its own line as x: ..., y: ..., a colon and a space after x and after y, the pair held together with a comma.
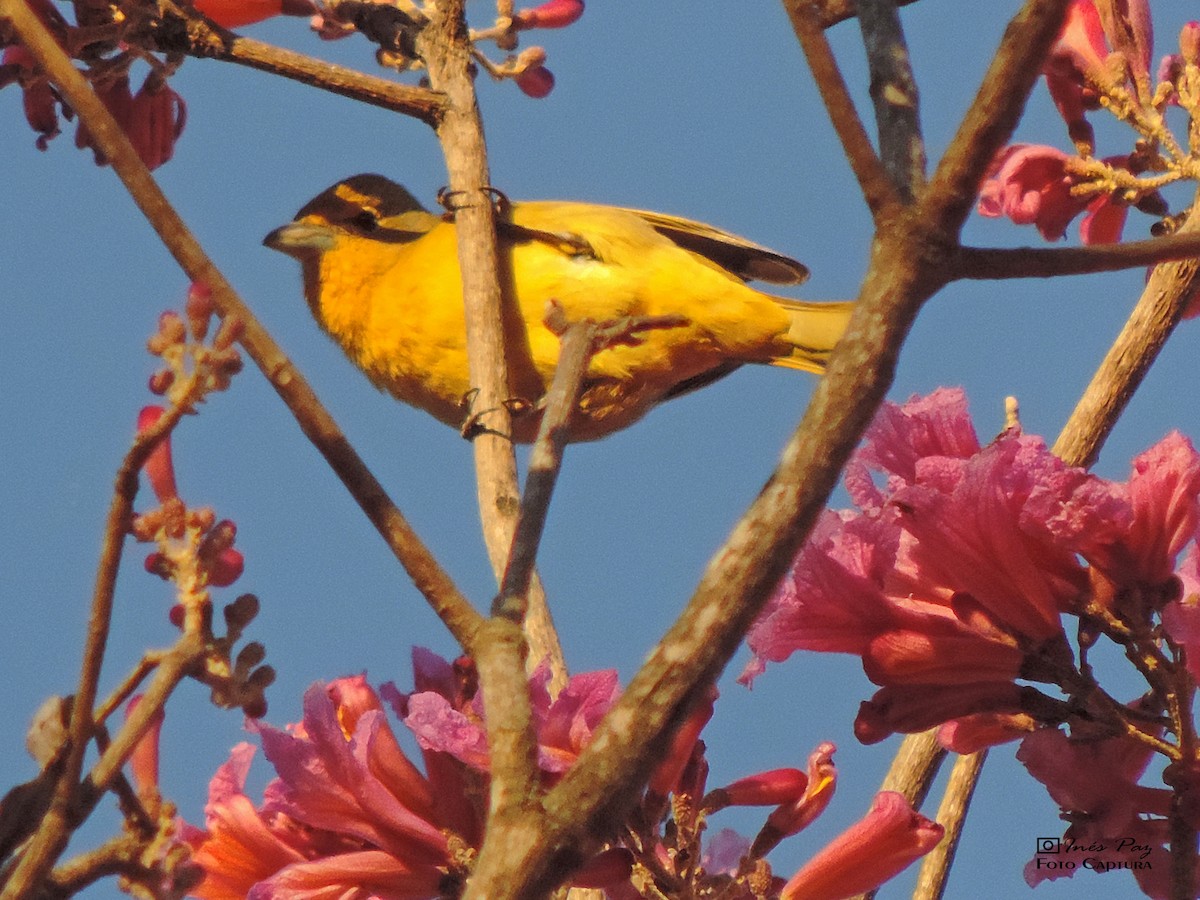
x: 551, y: 14
x: 1075, y: 65
x: 345, y: 781
x: 1163, y: 489
x: 365, y: 873
x: 236, y: 13
x: 924, y: 657
x: 768, y: 788
x: 792, y: 817
x: 1181, y: 618
x: 1030, y: 184
x: 879, y: 846
x: 666, y: 775
x: 911, y: 708
x: 143, y: 762
x: 903, y: 436
x: 156, y: 118
x: 833, y: 599
x: 971, y: 734
x: 240, y: 846
x: 564, y: 725
x: 40, y: 104
x: 158, y: 466
x: 1147, y: 521
x: 1095, y: 778
x: 976, y: 538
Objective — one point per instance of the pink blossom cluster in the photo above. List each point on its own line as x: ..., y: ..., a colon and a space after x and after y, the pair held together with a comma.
x: 951, y: 580
x: 350, y: 815
x: 1102, y: 53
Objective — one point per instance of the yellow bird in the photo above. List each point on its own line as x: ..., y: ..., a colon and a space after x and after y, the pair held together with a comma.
x: 381, y: 276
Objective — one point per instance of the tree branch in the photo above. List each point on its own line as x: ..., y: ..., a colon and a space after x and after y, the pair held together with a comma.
x: 1167, y: 294
x: 830, y: 12
x: 894, y: 92
x: 206, y: 41
x: 992, y: 117
x: 877, y: 187
x: 314, y: 420
x: 982, y: 263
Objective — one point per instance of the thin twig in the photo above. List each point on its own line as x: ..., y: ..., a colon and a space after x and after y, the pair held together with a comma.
x: 951, y: 815
x: 894, y: 92
x: 577, y: 344
x: 206, y: 41
x: 52, y: 834
x: 994, y: 113
x: 876, y: 186
x: 314, y: 420
x: 982, y: 263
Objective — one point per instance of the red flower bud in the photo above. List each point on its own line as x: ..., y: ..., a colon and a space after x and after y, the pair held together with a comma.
x: 1189, y: 42
x: 551, y: 14
x: 536, y: 82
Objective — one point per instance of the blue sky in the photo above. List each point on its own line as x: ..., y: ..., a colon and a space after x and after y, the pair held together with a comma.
x: 699, y: 109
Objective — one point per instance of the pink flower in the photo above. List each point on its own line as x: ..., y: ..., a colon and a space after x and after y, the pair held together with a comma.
x: 879, y: 846
x: 952, y: 582
x: 348, y: 811
x: 1074, y: 66
x: 1033, y: 185
x: 444, y: 720
x: 153, y: 119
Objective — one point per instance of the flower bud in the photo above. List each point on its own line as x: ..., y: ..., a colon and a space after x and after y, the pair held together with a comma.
x: 537, y: 82
x: 551, y: 14
x: 1189, y: 42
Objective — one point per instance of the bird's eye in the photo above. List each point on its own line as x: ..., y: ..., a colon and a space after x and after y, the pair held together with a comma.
x: 366, y: 220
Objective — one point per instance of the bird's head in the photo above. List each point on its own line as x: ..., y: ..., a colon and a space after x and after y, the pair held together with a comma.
x: 368, y: 207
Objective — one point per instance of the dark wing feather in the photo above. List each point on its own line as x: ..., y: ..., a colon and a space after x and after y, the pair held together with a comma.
x: 743, y: 258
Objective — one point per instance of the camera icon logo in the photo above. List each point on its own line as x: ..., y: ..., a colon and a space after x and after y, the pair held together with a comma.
x: 1049, y: 845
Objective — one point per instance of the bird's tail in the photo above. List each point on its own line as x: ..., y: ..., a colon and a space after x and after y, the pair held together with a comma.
x: 815, y: 330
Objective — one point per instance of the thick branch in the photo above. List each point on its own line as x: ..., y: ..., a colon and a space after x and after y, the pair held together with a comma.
x: 877, y: 187
x: 894, y: 92
x: 994, y: 114
x: 499, y: 650
x: 314, y: 420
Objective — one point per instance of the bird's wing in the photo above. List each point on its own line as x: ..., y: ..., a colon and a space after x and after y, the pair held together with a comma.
x: 743, y: 258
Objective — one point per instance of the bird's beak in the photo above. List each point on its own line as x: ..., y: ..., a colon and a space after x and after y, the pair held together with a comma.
x: 299, y: 239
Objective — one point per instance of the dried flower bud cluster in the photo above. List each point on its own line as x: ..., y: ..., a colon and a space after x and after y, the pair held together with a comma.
x: 194, y: 368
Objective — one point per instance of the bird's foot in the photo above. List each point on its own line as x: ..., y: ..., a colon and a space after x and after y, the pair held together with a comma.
x: 453, y: 201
